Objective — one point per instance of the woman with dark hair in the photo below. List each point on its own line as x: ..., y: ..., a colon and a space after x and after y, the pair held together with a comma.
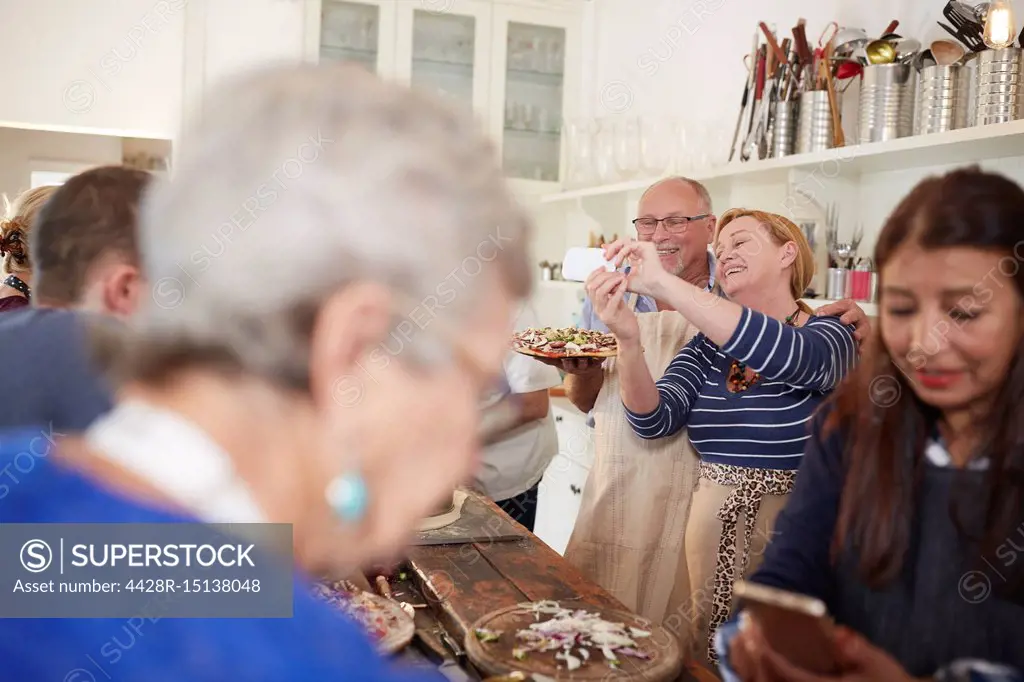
x: 907, y: 519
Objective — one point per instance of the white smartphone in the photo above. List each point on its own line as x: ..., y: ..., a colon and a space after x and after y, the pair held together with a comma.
x: 796, y: 626
x: 580, y: 262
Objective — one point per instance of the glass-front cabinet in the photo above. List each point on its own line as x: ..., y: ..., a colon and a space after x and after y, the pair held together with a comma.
x: 535, y: 86
x: 517, y: 64
x: 534, y: 94
x: 446, y: 51
x: 359, y: 32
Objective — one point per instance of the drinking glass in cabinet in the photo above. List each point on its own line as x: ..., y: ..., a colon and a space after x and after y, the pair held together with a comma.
x: 534, y: 94
x: 682, y: 149
x: 348, y: 32
x: 656, y: 138
x: 627, y: 147
x: 604, y: 152
x: 442, y: 53
x: 579, y: 140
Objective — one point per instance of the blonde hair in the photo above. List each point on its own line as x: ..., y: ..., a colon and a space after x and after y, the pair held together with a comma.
x: 781, y: 230
x: 17, y: 223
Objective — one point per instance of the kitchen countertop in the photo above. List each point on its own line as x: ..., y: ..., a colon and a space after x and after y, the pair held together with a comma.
x: 457, y: 584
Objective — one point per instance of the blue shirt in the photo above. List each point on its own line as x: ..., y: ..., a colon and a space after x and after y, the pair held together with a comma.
x: 799, y: 559
x: 48, y: 367
x: 765, y: 426
x: 317, y: 643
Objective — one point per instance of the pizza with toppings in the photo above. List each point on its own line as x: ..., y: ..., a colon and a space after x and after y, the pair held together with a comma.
x: 383, y: 620
x: 567, y: 342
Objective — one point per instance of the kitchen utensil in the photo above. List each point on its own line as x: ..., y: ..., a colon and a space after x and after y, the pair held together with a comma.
x: 947, y: 52
x: 846, y: 70
x: 974, y: 14
x: 971, y: 42
x: 743, y: 106
x: 828, y: 34
x: 906, y: 49
x: 838, y: 140
x: 757, y: 140
x: 780, y: 56
x: 891, y: 27
x: 848, y: 39
x: 804, y: 52
x: 880, y: 52
x: 966, y: 29
x: 923, y: 60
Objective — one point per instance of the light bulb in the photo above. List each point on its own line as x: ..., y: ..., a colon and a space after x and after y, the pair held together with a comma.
x: 999, y: 29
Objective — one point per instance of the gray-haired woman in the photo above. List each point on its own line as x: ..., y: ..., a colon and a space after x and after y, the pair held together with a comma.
x: 334, y: 268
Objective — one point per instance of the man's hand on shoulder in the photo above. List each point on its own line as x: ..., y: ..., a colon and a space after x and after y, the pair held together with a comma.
x: 849, y: 312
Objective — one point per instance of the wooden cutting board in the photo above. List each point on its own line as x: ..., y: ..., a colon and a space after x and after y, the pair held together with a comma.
x: 477, y: 523
x: 495, y: 658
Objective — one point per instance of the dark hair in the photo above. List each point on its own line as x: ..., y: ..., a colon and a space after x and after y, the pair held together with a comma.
x: 964, y: 208
x: 92, y: 215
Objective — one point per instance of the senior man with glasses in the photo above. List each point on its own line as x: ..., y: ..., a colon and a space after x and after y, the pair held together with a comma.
x: 629, y: 533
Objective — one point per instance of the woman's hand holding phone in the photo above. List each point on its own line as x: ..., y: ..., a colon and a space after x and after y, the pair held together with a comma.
x: 753, y: 659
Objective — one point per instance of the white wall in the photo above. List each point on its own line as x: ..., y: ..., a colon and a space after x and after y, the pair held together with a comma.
x: 685, y: 58
x: 20, y: 150
x: 228, y: 36
x: 112, y: 66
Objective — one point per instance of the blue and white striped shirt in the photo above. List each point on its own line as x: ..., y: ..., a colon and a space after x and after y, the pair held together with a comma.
x: 765, y: 426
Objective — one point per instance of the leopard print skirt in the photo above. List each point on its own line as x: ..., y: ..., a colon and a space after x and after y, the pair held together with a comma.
x: 751, y: 485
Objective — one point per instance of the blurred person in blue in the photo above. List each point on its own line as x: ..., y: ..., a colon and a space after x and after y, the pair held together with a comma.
x: 85, y: 262
x: 907, y: 521
x: 236, y: 378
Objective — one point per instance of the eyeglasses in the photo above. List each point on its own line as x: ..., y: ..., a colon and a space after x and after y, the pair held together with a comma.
x: 675, y: 224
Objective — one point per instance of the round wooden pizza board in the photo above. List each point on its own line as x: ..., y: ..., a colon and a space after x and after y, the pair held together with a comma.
x: 400, y: 627
x: 496, y: 659
x: 608, y: 353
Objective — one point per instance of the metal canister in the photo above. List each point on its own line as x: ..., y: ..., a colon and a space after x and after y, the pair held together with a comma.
x: 999, y: 74
x: 783, y: 129
x: 838, y: 282
x: 814, y: 122
x: 874, y: 288
x: 886, y: 108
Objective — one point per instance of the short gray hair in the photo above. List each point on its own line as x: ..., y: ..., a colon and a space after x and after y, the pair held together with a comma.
x: 695, y: 185
x: 299, y: 180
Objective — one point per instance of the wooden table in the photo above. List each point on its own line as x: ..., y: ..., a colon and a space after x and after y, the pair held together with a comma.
x: 462, y: 583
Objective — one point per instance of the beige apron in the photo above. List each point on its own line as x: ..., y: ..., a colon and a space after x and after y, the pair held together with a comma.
x: 628, y: 536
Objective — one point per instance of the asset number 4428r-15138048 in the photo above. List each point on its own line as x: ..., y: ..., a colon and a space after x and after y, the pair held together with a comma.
x: 214, y: 585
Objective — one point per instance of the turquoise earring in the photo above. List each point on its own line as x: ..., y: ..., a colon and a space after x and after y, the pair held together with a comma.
x: 348, y: 497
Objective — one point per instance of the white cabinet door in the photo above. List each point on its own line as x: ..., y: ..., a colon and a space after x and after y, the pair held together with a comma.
x: 445, y: 46
x: 535, y: 82
x: 356, y: 31
x: 561, y: 488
